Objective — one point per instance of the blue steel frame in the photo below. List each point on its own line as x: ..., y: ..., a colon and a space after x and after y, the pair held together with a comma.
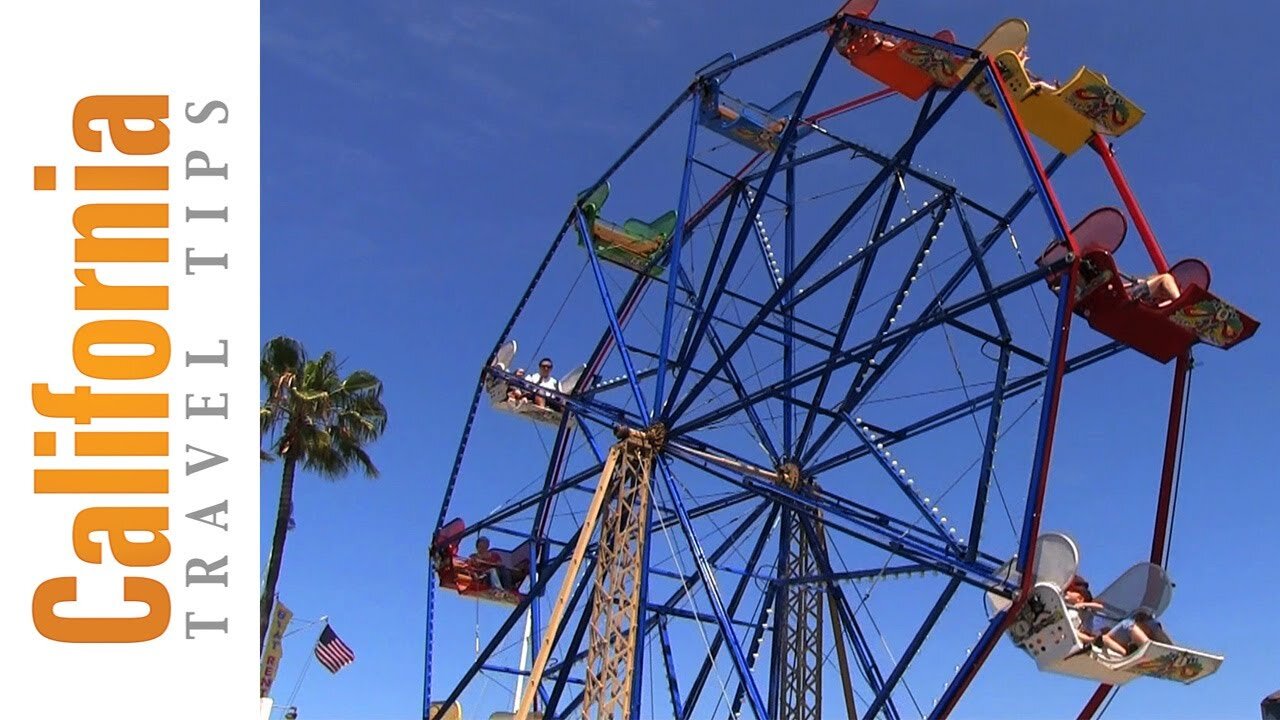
x: 929, y: 549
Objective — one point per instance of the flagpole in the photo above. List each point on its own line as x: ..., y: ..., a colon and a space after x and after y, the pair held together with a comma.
x: 309, y: 623
x: 323, y: 622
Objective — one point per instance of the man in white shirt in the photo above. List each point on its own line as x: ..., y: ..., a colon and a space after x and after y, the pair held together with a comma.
x: 544, y: 379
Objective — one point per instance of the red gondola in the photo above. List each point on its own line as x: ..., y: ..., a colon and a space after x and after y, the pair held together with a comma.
x: 472, y: 577
x: 1105, y: 299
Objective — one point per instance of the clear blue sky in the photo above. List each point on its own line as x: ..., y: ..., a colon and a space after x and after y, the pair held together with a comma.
x: 419, y: 157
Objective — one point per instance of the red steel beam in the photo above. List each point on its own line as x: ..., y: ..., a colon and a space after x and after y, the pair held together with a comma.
x: 1160, y: 534
x: 1130, y: 202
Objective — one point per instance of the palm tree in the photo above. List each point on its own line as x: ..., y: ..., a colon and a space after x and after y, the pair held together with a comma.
x: 312, y: 416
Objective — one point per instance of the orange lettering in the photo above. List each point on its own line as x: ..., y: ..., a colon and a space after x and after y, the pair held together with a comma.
x: 121, y: 332
x: 116, y: 521
x: 110, y: 444
x: 88, y: 219
x: 101, y: 481
x: 84, y: 405
x: 101, y: 630
x: 94, y: 177
x: 117, y: 110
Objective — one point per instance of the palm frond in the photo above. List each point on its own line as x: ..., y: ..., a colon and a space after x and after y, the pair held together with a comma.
x: 311, y: 413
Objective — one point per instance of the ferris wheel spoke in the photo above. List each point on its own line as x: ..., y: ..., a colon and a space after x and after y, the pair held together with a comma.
x: 788, y: 283
x: 673, y: 254
x: 864, y: 273
x: 788, y: 321
x: 528, y: 502
x: 711, y: 589
x: 697, y: 299
x: 690, y: 580
x: 591, y: 441
x: 828, y: 237
x: 869, y: 376
x: 699, y: 453
x: 589, y: 406
x: 901, y: 340
x: 757, y: 638
x: 693, y: 340
x: 695, y: 512
x: 735, y: 600
x: 735, y: 382
x: 863, y: 351
x: 975, y: 659
x: 850, y: 310
x: 669, y: 665
x: 881, y: 530
x: 986, y: 466
x: 810, y: 291
x: 964, y: 409
x: 913, y: 647
x: 615, y: 325
x: 625, y: 310
x: 857, y: 393
x: 573, y: 705
x: 976, y: 254
x: 563, y: 677
x: 863, y: 514
x: 770, y: 263
x: 708, y: 508
x: 898, y: 476
x: 893, y: 308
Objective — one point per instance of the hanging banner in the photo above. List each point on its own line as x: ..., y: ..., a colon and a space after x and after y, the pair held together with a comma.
x: 129, y: 179
x: 275, y: 646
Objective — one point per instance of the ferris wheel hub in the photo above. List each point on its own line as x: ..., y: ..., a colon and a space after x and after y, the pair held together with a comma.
x: 654, y: 436
x: 789, y: 475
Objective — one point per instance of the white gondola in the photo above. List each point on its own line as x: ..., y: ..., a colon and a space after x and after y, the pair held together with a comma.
x: 497, y: 386
x: 1047, y: 632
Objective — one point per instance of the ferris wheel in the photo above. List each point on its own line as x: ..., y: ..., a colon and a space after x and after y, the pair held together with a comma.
x: 812, y: 398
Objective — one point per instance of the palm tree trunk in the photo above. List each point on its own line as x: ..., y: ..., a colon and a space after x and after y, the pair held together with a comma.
x: 284, y: 510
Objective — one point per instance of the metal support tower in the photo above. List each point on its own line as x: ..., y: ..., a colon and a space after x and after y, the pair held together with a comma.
x: 798, y: 619
x: 613, y: 642
x: 620, y: 505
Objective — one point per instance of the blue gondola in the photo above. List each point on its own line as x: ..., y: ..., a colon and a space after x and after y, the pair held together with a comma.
x: 747, y: 124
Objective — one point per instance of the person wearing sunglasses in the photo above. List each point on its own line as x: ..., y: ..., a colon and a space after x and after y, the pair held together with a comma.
x: 544, y: 379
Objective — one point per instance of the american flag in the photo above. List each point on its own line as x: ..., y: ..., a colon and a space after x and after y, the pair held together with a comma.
x: 332, y: 652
